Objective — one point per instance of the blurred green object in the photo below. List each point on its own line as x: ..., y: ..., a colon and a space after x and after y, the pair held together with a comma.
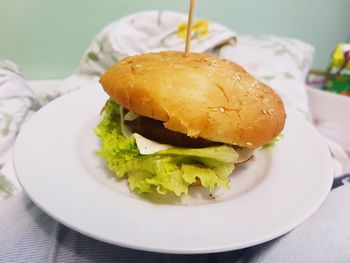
x: 339, y: 71
x: 47, y: 38
x: 339, y: 84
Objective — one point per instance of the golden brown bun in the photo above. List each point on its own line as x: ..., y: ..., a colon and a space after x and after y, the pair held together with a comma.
x: 199, y: 95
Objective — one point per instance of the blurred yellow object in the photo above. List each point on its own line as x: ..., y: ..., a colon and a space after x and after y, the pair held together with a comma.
x: 200, y: 28
x: 338, y: 56
x: 338, y: 79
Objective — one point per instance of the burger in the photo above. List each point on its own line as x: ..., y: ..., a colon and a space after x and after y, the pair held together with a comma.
x: 173, y: 121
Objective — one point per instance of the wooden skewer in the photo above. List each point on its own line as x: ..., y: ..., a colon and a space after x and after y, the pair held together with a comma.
x: 189, y: 27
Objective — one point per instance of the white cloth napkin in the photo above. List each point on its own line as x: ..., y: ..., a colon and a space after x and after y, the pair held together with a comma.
x: 282, y: 63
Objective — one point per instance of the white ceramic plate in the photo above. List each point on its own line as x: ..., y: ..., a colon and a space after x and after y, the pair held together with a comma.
x: 270, y: 195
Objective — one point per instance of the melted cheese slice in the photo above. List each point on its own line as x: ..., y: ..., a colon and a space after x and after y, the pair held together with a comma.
x: 147, y: 146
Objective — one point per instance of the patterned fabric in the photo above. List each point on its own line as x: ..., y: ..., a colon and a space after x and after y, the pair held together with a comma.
x: 17, y: 103
x: 282, y: 63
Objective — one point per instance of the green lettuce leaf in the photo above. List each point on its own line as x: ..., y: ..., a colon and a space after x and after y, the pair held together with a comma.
x: 221, y: 153
x: 167, y: 171
x: 274, y: 141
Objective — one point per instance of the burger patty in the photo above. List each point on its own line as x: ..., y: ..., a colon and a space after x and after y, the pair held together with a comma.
x: 155, y: 130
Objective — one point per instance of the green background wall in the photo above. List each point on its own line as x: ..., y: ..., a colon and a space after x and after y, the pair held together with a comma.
x: 47, y: 38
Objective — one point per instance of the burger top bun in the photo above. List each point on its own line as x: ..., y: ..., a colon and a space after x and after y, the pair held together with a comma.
x: 199, y: 95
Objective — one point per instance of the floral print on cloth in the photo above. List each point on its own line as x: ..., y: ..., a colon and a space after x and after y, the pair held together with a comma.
x: 17, y: 104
